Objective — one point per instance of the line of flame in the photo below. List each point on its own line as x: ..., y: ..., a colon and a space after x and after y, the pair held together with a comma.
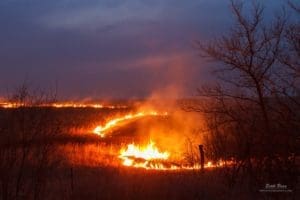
x: 100, y: 130
x: 65, y: 105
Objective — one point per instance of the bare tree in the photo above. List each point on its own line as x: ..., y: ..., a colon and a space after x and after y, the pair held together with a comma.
x: 245, y: 113
x: 26, y: 151
x: 291, y: 56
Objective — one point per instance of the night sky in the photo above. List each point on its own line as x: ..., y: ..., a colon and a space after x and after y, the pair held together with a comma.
x: 109, y: 48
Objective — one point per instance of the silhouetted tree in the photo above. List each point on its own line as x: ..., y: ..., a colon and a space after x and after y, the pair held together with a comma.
x: 247, y: 113
x: 27, y: 155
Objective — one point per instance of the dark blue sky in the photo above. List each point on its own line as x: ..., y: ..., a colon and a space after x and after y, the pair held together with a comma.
x: 108, y: 48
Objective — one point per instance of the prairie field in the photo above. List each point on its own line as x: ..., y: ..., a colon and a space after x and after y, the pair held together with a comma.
x: 55, y: 153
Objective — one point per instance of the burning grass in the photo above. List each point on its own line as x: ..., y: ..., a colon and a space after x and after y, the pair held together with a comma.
x: 124, y: 137
x: 150, y: 157
x: 147, y: 156
x: 102, y: 130
x: 143, y: 149
x: 7, y: 105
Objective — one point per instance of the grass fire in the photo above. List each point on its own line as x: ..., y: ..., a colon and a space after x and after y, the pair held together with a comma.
x: 134, y: 141
x: 149, y: 100
x: 116, y: 142
x: 135, y: 154
x: 100, y: 130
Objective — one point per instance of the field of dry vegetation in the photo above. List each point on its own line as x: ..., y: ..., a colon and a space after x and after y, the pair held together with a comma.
x: 52, y: 153
x: 238, y: 139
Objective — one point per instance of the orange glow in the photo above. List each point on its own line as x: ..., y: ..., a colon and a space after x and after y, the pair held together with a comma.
x: 7, y: 105
x: 75, y: 105
x: 150, y: 157
x: 144, y: 154
x: 100, y: 130
x: 64, y: 105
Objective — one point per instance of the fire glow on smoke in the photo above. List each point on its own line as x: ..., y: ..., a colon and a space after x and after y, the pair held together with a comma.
x: 148, y: 156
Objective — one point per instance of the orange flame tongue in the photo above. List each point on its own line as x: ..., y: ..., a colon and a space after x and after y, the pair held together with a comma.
x: 143, y: 154
x: 100, y: 130
x: 149, y: 157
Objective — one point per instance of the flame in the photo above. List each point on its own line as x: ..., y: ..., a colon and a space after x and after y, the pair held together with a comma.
x: 145, y: 154
x: 100, y: 130
x: 146, y: 157
x: 150, y: 157
x: 74, y: 105
x: 64, y: 105
x: 8, y: 105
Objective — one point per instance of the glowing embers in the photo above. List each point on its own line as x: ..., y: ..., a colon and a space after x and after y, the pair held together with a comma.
x: 144, y: 157
x: 101, y: 130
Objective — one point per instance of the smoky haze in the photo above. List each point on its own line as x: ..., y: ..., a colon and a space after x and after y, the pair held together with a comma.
x: 108, y: 49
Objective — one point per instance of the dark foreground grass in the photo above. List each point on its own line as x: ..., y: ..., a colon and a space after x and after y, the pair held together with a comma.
x: 129, y: 183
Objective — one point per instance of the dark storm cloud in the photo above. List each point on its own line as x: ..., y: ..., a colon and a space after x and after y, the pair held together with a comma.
x: 113, y: 48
